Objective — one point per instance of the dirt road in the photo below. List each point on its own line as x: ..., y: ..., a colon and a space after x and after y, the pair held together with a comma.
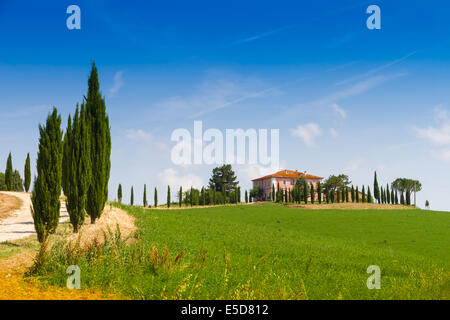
x: 20, y: 223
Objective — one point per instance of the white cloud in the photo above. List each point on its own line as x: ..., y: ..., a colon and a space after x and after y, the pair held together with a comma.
x: 172, y: 178
x: 334, y: 133
x: 307, y: 132
x: 118, y: 83
x: 138, y: 135
x: 339, y: 111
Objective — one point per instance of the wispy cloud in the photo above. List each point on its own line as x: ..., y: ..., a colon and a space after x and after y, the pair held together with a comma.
x: 171, y: 177
x: 375, y: 70
x: 307, y: 132
x: 339, y: 111
x: 334, y: 133
x: 261, y: 35
x: 438, y: 136
x: 26, y: 112
x: 117, y: 85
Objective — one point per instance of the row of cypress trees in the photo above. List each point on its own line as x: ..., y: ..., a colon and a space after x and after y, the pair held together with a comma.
x: 79, y: 164
x: 11, y: 180
x: 190, y: 197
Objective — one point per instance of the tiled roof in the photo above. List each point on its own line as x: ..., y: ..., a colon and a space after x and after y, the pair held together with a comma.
x: 289, y: 174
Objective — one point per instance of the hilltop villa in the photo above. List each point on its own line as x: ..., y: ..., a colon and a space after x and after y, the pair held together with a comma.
x: 286, y: 179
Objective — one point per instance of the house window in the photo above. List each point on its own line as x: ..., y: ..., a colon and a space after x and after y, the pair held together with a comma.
x: 292, y: 182
x: 284, y: 182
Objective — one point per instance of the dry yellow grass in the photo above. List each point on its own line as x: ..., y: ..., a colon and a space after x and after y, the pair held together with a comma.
x: 8, y: 204
x: 13, y: 286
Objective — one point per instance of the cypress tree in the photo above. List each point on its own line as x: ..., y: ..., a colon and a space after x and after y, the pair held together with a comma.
x: 402, y: 199
x: 376, y: 189
x: 273, y: 192
x: 180, y: 196
x: 27, y: 173
x: 357, y: 195
x: 343, y: 194
x: 312, y: 192
x: 392, y: 196
x: 338, y: 196
x: 363, y: 194
x: 76, y: 167
x: 214, y: 196
x: 305, y: 191
x: 144, y: 200
x: 369, y: 195
x: 168, y: 196
x: 119, y: 193
x: 47, y: 185
x: 238, y: 195
x: 224, y: 195
x: 156, y: 198
x: 246, y: 196
x: 100, y: 147
x: 132, y: 196
x: 408, y: 196
x: 9, y: 181
x: 319, y: 192
x: 382, y: 194
x: 388, y: 194
x: 353, y: 194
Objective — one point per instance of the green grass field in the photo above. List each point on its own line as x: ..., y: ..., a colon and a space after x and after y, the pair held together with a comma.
x: 268, y: 252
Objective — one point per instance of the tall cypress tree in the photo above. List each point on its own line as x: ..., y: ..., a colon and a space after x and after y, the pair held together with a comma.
x: 168, y: 196
x: 408, y: 196
x: 363, y: 194
x: 357, y: 195
x: 100, y: 147
x: 132, y: 196
x: 312, y: 192
x: 76, y: 167
x: 382, y: 194
x: 369, y: 195
x: 27, y: 173
x: 180, y: 196
x: 353, y: 194
x: 319, y: 192
x: 144, y: 201
x: 305, y: 191
x: 388, y: 194
x: 9, y: 181
x: 376, y: 189
x: 246, y: 196
x: 156, y: 198
x: 47, y: 185
x: 119, y: 193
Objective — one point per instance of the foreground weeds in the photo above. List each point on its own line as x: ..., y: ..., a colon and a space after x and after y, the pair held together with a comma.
x: 226, y: 253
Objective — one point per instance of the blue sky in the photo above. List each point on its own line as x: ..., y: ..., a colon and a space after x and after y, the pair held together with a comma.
x: 367, y: 99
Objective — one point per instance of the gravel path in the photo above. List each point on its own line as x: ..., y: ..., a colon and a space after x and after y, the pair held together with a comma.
x: 20, y: 223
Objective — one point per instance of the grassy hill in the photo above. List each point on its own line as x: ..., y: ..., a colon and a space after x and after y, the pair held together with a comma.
x: 270, y: 252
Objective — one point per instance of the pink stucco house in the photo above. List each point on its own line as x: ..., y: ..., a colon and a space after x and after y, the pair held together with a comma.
x: 285, y: 179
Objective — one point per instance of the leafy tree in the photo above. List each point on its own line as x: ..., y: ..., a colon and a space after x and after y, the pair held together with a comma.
x: 76, y: 167
x: 9, y: 180
x: 402, y: 199
x: 100, y: 147
x: 119, y: 193
x: 27, y: 173
x: 223, y: 178
x: 168, y: 196
x: 132, y: 196
x: 156, y: 198
x: 214, y: 196
x: 335, y: 183
x: 396, y: 197
x: 47, y: 185
x: 144, y: 200
x: 256, y: 192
